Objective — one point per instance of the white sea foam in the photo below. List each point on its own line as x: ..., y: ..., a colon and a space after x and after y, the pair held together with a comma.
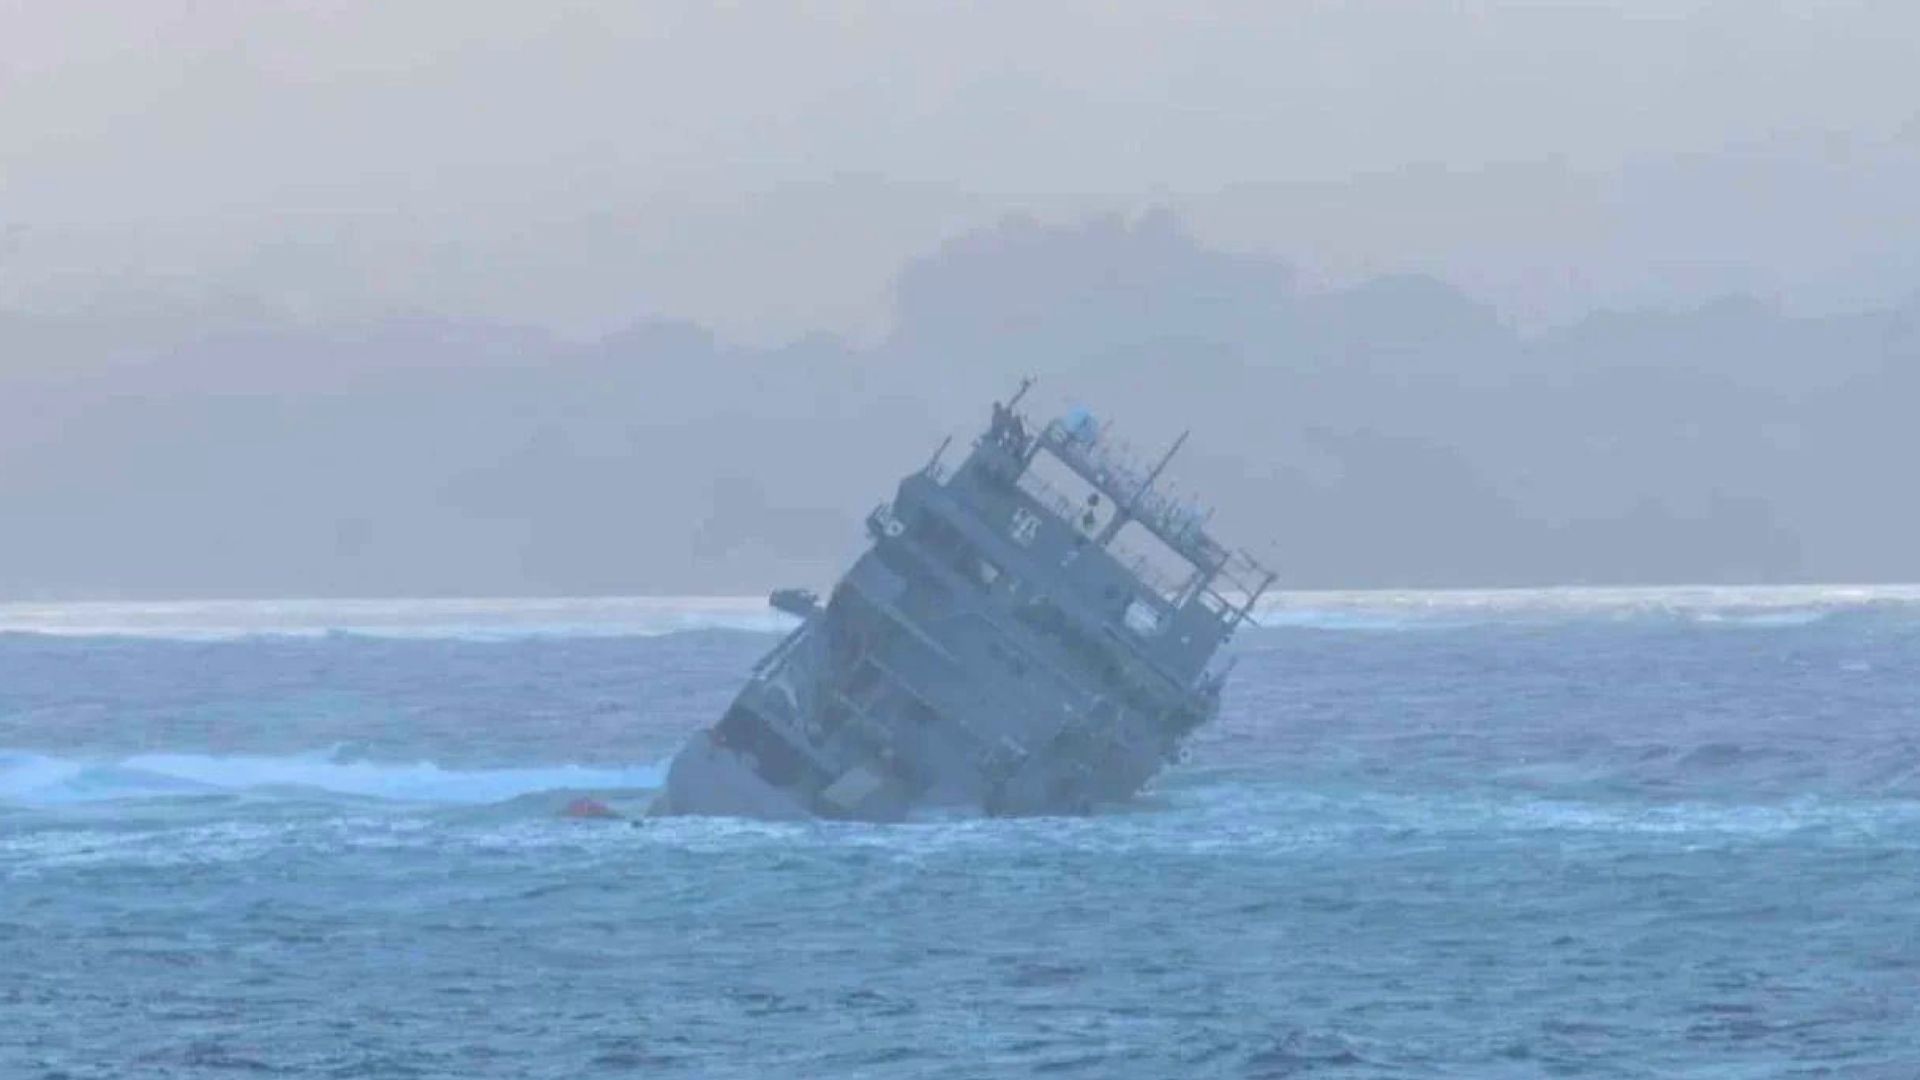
x: 1729, y: 605
x: 477, y: 619
x: 40, y: 780
x: 627, y: 616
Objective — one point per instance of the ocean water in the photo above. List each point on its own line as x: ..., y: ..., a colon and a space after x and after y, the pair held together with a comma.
x: 1559, y: 833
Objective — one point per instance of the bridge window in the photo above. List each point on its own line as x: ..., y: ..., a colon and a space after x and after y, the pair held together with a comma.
x: 1158, y: 566
x: 1053, y: 484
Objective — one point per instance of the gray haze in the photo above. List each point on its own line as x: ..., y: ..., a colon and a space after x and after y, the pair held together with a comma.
x: 503, y: 298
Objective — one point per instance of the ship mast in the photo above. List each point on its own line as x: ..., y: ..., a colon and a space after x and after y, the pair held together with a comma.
x: 1125, y: 513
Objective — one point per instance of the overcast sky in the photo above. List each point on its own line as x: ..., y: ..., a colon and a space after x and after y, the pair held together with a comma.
x: 868, y: 220
x: 766, y: 169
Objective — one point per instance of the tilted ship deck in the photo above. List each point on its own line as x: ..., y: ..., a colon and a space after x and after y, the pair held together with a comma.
x: 1032, y: 632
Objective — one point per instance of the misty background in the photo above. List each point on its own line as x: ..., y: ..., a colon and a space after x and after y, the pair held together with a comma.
x: 432, y: 299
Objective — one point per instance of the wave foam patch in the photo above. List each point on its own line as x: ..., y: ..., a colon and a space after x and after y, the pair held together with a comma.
x: 1750, y: 606
x: 41, y: 780
x: 479, y: 619
x: 643, y: 616
x: 1358, y: 619
x: 1764, y: 619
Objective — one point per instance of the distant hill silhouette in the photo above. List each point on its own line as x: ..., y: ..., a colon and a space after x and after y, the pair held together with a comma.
x: 1390, y: 434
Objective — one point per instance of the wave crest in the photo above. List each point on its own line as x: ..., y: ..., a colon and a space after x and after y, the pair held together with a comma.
x: 34, y: 779
x: 630, y: 616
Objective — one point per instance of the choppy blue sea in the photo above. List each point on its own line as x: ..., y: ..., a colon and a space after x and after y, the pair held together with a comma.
x: 1589, y: 834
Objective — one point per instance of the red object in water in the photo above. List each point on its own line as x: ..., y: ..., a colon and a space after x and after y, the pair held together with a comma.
x: 588, y: 808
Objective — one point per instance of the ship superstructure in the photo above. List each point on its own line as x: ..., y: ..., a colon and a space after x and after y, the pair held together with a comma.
x: 1031, y: 632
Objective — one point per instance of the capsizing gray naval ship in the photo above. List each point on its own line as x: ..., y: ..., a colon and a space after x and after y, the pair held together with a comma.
x: 1031, y: 632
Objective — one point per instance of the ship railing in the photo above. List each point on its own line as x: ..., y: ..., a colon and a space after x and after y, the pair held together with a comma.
x: 1239, y: 574
x: 1180, y: 523
x: 1047, y: 495
x: 1093, y: 457
x: 1169, y: 584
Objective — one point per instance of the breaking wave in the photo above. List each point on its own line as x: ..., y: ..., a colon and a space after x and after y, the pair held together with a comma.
x: 40, y: 780
x: 1760, y: 607
x: 473, y: 619
x: 508, y: 619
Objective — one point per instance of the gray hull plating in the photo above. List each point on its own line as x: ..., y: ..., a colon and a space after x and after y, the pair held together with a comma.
x: 1030, y: 633
x: 710, y: 780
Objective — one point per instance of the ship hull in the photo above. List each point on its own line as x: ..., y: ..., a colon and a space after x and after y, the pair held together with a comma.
x: 709, y: 780
x: 1000, y: 649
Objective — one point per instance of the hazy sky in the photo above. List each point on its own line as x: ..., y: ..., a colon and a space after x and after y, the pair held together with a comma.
x: 766, y: 169
x: 886, y: 214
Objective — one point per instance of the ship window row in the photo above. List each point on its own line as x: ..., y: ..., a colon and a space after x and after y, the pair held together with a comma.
x: 1049, y: 620
x: 746, y: 730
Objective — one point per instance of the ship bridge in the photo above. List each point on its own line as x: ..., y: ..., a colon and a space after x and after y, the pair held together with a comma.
x: 1073, y: 469
x: 1161, y: 538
